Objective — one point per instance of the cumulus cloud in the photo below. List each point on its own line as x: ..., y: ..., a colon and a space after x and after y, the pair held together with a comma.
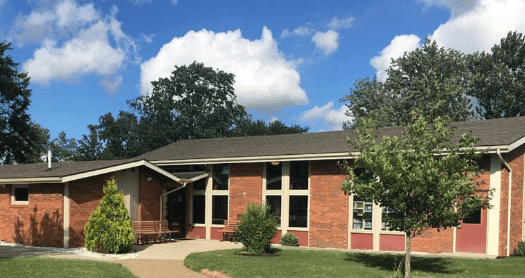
x: 343, y: 23
x: 299, y: 31
x: 80, y: 40
x: 264, y: 79
x: 333, y: 117
x: 326, y: 41
x: 482, y: 26
x: 397, y: 47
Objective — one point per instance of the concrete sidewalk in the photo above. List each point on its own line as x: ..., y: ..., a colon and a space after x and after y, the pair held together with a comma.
x: 151, y: 260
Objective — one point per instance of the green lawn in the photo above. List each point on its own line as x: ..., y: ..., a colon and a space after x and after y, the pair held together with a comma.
x: 44, y: 267
x: 301, y: 263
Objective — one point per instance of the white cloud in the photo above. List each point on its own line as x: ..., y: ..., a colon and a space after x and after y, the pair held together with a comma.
x: 333, y: 117
x: 111, y: 83
x: 482, y: 26
x: 80, y: 41
x: 343, y: 23
x: 264, y: 79
x: 174, y: 2
x: 457, y: 7
x: 299, y: 31
x: 397, y: 47
x: 147, y: 38
x: 142, y: 2
x: 326, y: 41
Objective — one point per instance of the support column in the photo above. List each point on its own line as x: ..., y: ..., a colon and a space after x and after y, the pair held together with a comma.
x: 493, y: 219
x: 66, y: 215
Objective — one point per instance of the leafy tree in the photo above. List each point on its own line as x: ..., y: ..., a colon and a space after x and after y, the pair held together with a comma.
x: 427, y: 79
x: 109, y: 228
x: 256, y: 229
x: 499, y: 83
x: 19, y: 137
x: 259, y: 127
x: 116, y: 135
x: 89, y: 147
x: 418, y: 188
x: 194, y: 102
x: 40, y: 144
x: 63, y: 149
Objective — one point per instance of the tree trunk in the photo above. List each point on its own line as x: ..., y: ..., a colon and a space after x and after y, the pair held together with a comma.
x: 407, y: 255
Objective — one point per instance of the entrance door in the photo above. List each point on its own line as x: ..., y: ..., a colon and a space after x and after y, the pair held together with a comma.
x: 177, y: 210
x: 472, y: 236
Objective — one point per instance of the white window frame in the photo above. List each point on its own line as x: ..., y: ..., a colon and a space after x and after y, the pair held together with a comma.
x: 13, y: 201
x: 285, y: 194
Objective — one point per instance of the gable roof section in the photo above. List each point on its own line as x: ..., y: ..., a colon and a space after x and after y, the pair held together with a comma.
x: 74, y: 170
x: 504, y: 134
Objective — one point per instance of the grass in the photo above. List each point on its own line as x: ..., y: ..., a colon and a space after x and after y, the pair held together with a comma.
x: 307, y: 263
x: 47, y: 267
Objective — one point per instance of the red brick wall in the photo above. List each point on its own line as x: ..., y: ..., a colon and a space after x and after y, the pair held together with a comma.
x: 40, y: 223
x: 84, y: 197
x: 328, y: 206
x: 149, y: 197
x: 245, y: 187
x: 432, y: 241
x: 516, y: 163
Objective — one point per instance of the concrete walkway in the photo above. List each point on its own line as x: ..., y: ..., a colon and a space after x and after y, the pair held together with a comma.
x: 152, y: 260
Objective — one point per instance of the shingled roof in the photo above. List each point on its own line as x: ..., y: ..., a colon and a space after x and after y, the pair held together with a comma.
x: 501, y: 133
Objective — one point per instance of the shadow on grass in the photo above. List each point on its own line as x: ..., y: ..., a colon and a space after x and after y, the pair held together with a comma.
x: 391, y: 263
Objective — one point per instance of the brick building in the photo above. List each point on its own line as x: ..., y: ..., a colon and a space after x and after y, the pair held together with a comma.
x: 197, y: 184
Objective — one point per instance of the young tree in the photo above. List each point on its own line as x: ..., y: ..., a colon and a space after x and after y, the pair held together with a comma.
x: 18, y: 135
x: 422, y: 179
x: 109, y: 228
x: 256, y: 229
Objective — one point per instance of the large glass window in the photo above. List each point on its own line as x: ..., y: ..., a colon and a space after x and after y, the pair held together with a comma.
x: 473, y: 218
x: 220, y: 176
x: 274, y: 176
x: 219, y: 209
x: 362, y: 217
x: 298, y: 216
x: 200, y: 184
x: 275, y: 207
x: 299, y: 175
x: 199, y: 209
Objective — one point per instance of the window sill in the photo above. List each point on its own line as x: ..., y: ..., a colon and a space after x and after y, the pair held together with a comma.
x: 20, y: 203
x: 362, y: 232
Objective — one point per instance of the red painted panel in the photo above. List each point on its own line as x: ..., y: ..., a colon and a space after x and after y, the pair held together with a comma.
x: 392, y: 242
x: 362, y: 241
x: 302, y: 236
x: 216, y: 233
x: 472, y: 238
x: 277, y: 237
x: 198, y: 232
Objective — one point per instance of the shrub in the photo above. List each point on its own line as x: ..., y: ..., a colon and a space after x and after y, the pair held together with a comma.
x: 256, y: 229
x: 521, y: 249
x: 109, y: 228
x: 289, y: 240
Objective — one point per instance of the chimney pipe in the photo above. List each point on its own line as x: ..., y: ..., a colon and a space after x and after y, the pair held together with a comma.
x: 49, y: 160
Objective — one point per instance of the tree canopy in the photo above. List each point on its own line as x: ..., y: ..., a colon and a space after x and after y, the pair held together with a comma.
x: 18, y: 134
x: 421, y: 179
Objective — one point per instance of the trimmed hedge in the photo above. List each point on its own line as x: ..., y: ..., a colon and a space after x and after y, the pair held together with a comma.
x: 109, y: 229
x: 289, y: 240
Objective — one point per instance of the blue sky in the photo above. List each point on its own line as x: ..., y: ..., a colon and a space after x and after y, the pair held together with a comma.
x: 293, y: 60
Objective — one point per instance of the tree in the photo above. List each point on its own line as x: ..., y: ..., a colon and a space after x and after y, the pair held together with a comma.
x: 109, y: 228
x: 427, y: 79
x: 63, y: 149
x: 499, y: 82
x: 256, y: 229
x: 117, y: 135
x: 194, y: 102
x: 421, y: 179
x: 89, y: 147
x: 259, y: 127
x: 18, y: 135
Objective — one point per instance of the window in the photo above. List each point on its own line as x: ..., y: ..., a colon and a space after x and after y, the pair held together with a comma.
x: 199, y: 208
x: 199, y: 185
x: 275, y: 207
x: 274, y: 176
x: 20, y: 194
x: 299, y: 175
x: 298, y: 216
x: 362, y: 216
x: 473, y: 218
x: 219, y: 209
x: 220, y: 176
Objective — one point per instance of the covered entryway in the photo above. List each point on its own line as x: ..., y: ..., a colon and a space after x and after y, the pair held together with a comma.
x: 176, y: 212
x: 472, y: 237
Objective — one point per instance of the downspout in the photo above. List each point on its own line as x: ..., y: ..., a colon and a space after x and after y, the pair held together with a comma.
x: 161, y: 196
x: 509, y: 199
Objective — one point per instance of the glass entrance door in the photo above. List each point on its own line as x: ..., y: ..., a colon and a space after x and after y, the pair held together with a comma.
x: 177, y: 211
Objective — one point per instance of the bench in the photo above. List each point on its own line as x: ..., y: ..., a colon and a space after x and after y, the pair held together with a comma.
x: 228, y: 232
x: 157, y: 228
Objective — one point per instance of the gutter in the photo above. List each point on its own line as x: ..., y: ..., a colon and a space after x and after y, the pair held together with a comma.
x: 509, y: 198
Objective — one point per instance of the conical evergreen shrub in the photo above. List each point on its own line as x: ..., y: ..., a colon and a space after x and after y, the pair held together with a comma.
x: 109, y: 229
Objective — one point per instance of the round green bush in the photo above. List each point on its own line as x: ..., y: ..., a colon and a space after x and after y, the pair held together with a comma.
x: 521, y: 249
x: 109, y: 228
x: 256, y: 229
x: 289, y: 240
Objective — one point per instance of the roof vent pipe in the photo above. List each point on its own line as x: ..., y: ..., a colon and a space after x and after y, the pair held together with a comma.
x: 49, y: 160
